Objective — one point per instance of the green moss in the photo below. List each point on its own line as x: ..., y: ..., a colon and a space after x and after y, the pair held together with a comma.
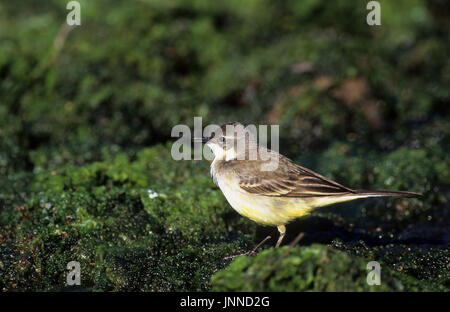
x: 103, y: 216
x: 366, y: 106
x: 313, y: 268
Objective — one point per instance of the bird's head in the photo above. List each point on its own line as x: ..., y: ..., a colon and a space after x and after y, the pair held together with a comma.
x: 231, y: 141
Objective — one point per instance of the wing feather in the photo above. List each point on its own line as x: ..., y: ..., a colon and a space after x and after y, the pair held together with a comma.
x: 288, y: 180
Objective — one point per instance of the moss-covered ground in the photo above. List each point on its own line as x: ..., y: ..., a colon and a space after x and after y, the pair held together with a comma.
x: 86, y: 114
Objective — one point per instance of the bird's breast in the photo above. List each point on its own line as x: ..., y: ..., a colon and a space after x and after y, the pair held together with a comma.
x: 268, y: 210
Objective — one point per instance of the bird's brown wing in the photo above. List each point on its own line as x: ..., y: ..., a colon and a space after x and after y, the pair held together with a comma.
x: 288, y: 180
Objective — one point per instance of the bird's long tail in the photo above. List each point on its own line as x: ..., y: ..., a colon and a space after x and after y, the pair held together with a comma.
x: 368, y: 193
x: 321, y: 201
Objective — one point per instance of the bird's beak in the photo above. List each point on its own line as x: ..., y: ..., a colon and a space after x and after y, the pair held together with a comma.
x: 202, y: 139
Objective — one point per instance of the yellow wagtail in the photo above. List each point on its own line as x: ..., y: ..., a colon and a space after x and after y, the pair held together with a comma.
x: 269, y: 188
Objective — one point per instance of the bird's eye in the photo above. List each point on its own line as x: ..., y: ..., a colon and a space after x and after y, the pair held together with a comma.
x: 222, y: 139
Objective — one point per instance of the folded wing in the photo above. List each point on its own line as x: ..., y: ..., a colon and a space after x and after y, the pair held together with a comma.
x: 289, y: 180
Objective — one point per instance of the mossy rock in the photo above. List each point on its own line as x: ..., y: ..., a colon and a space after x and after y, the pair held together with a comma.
x: 142, y: 224
x: 312, y: 268
x: 366, y: 106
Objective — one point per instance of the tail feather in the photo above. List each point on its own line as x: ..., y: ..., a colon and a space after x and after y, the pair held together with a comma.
x: 387, y: 193
x: 321, y: 201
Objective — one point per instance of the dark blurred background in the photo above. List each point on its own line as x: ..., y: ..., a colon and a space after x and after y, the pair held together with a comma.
x: 133, y: 69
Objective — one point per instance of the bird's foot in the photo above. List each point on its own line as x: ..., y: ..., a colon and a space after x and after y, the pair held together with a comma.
x: 252, y: 252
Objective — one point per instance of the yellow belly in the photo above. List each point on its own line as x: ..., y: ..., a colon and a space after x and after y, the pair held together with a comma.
x: 264, y: 209
x: 273, y: 210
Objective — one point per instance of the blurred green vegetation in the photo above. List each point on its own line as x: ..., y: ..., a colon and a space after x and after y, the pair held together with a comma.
x: 79, y: 108
x: 102, y: 215
x: 313, y: 268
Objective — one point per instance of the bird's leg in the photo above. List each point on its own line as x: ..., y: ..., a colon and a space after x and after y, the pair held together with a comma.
x: 251, y: 252
x: 282, y: 230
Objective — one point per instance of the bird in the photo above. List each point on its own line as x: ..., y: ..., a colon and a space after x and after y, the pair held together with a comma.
x: 267, y: 187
